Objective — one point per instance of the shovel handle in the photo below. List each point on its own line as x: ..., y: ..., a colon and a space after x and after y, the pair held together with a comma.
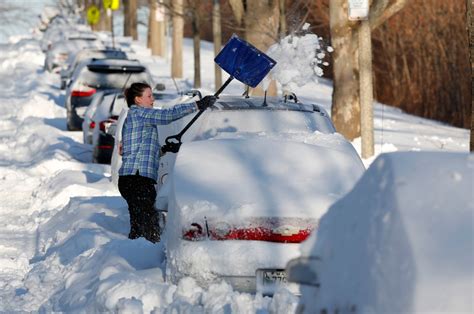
x: 173, y: 142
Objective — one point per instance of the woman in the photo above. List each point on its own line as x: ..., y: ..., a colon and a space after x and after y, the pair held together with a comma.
x: 140, y: 155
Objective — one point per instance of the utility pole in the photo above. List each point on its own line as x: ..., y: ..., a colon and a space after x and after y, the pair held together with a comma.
x: 359, y: 10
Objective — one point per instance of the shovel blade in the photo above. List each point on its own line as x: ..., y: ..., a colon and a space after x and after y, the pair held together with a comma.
x: 244, y: 62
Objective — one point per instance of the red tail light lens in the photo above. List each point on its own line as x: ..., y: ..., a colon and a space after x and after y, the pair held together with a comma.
x: 194, y: 233
x: 83, y: 93
x: 266, y: 229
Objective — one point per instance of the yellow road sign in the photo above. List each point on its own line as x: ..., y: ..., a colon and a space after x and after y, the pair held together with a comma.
x: 93, y: 15
x: 112, y: 4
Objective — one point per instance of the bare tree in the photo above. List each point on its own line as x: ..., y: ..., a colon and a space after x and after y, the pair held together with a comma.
x: 344, y: 35
x: 177, y: 39
x: 156, y: 28
x: 130, y: 18
x: 196, y: 23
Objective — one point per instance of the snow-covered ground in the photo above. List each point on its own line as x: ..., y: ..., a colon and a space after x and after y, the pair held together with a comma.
x: 64, y: 226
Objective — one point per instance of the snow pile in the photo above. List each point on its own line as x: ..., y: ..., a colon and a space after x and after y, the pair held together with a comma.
x: 401, y: 241
x: 299, y: 60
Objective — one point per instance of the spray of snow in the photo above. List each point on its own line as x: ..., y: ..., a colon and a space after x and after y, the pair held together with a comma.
x: 300, y: 60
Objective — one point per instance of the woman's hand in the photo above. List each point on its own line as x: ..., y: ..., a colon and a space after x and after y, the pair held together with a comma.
x: 206, y: 102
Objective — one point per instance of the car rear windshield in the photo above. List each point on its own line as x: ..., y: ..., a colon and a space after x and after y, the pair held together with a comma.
x: 112, y: 79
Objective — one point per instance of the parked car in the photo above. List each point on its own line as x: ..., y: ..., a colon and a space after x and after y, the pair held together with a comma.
x: 97, y: 75
x: 57, y: 31
x: 106, y: 115
x: 248, y: 185
x: 88, y: 124
x: 88, y: 55
x: 400, y: 242
x: 59, y: 52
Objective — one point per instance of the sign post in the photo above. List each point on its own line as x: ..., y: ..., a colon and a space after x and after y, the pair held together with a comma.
x: 359, y: 11
x: 111, y: 5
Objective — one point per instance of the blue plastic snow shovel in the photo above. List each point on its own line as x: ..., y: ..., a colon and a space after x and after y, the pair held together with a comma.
x: 243, y: 62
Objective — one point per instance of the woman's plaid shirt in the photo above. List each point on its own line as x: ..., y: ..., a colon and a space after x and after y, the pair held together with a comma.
x: 140, y: 138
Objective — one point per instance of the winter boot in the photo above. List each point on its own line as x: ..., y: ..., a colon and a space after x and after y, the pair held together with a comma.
x: 152, y: 229
x: 136, y: 227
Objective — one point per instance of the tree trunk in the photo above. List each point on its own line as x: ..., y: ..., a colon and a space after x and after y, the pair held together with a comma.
x: 345, y: 109
x: 344, y: 37
x: 217, y: 36
x: 177, y: 47
x: 130, y: 18
x: 470, y: 23
x: 150, y: 30
x: 156, y: 29
x: 197, y: 48
x: 282, y: 29
x: 261, y: 30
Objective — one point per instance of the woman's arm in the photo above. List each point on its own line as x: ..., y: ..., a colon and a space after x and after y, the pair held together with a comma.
x: 168, y: 115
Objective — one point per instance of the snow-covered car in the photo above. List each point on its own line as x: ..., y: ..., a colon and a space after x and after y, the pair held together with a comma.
x: 96, y: 75
x: 59, y: 52
x: 88, y: 124
x: 87, y: 55
x: 105, y: 115
x: 400, y: 242
x: 248, y: 185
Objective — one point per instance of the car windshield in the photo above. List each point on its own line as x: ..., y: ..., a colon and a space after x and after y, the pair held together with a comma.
x: 109, y: 80
x: 256, y: 117
x: 264, y: 122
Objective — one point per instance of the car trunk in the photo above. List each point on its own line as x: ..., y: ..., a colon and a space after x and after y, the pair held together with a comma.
x: 257, y: 189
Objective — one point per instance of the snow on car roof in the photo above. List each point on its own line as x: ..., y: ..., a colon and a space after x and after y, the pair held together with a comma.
x: 270, y: 103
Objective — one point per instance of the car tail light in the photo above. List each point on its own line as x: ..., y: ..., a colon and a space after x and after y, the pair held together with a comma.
x: 283, y: 230
x: 104, y: 125
x: 194, y: 233
x: 83, y: 92
x: 92, y: 125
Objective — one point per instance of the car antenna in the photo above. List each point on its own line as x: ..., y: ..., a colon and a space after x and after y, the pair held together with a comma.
x: 123, y: 91
x: 246, y: 92
x: 265, y: 100
x: 176, y: 86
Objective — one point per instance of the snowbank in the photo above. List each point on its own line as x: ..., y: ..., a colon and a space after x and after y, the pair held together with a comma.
x: 401, y: 241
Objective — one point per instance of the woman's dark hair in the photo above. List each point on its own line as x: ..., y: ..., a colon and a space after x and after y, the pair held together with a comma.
x: 135, y: 90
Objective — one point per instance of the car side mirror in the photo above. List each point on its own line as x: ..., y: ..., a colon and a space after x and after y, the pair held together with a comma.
x: 303, y: 271
x: 160, y: 87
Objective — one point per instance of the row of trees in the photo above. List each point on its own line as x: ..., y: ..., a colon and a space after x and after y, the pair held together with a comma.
x: 414, y: 64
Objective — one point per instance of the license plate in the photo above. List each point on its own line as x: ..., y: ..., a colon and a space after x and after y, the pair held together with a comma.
x: 269, y: 279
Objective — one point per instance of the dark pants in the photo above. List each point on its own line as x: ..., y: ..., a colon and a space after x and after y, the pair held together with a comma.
x: 140, y: 194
